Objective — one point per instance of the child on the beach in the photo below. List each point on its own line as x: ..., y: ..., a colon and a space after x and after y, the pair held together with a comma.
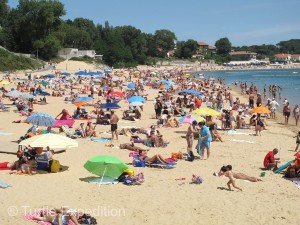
x: 297, y: 141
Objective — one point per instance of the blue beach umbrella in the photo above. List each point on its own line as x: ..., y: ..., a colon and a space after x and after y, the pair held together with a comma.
x: 84, y: 98
x: 166, y: 86
x: 49, y: 75
x: 27, y: 96
x: 14, y: 94
x: 131, y: 85
x: 109, y: 105
x: 65, y: 73
x: 43, y: 93
x: 136, y: 99
x: 107, y: 71
x: 41, y: 119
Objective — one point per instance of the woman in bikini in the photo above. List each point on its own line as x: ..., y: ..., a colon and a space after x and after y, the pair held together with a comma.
x: 143, y: 157
x: 227, y: 172
x: 190, y: 136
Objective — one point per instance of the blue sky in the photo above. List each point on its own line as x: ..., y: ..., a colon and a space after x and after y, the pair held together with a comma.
x: 242, y: 22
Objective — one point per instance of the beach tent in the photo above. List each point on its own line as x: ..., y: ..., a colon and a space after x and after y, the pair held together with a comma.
x: 136, y: 99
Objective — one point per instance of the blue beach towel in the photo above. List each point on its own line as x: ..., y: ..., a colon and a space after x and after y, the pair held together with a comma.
x: 4, y: 185
x: 101, y: 140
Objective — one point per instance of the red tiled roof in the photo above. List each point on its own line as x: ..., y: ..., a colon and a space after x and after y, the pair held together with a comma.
x: 211, y: 47
x: 242, y: 53
x: 202, y: 43
x: 282, y: 56
x: 295, y: 55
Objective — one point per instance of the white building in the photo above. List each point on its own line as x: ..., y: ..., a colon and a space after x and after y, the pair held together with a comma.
x: 68, y: 53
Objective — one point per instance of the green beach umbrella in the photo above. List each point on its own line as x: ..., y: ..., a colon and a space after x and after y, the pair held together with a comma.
x: 44, y: 83
x: 105, y: 166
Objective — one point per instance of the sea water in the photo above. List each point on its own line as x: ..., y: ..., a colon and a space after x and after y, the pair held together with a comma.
x: 287, y: 79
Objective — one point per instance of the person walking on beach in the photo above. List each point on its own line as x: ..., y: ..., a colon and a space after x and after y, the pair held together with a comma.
x: 273, y: 106
x: 251, y: 100
x: 114, y: 119
x: 296, y: 113
x: 286, y: 112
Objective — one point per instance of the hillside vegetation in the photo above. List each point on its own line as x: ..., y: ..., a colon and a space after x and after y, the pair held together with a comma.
x: 12, y: 62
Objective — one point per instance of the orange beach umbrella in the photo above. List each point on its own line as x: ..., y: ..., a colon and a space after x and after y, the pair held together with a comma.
x: 261, y: 109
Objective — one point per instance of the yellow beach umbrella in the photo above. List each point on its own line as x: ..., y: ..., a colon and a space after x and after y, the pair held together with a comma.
x: 51, y: 140
x: 5, y: 82
x: 261, y: 109
x: 206, y: 112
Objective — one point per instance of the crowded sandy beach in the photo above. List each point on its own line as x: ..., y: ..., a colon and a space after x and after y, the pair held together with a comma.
x: 179, y: 150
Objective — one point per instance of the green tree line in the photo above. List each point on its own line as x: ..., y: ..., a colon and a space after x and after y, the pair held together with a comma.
x: 36, y: 27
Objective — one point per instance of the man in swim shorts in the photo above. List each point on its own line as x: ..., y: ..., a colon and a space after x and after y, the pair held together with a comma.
x: 114, y: 119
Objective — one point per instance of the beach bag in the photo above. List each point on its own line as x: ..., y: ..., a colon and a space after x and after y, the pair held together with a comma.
x: 196, y: 179
x: 191, y: 156
x: 55, y: 166
x: 176, y: 155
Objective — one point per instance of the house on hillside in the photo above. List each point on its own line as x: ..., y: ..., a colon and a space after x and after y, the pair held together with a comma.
x: 245, y: 54
x: 211, y: 50
x: 68, y: 53
x: 202, y: 48
x: 283, y: 58
x: 295, y: 57
x: 198, y: 56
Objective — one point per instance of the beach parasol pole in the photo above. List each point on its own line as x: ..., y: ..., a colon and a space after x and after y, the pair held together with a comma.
x: 103, y: 174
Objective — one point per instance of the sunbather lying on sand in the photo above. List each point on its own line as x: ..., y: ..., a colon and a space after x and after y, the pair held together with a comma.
x: 59, y: 217
x: 131, y: 146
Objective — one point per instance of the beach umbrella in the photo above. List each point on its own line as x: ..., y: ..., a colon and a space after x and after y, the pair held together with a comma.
x: 26, y: 96
x: 136, y: 104
x: 109, y: 105
x: 49, y: 76
x: 51, y: 140
x: 107, y: 71
x: 206, y: 112
x: 131, y: 85
x: 136, y: 99
x: 83, y: 99
x: 261, y: 109
x: 4, y: 82
x: 116, y: 93
x: 105, y: 166
x: 166, y: 86
x: 41, y: 119
x: 65, y: 73
x: 190, y: 118
x: 43, y: 93
x: 168, y: 82
x: 44, y: 83
x: 14, y: 94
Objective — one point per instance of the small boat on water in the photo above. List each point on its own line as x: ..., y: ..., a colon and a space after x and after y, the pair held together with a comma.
x: 295, y: 72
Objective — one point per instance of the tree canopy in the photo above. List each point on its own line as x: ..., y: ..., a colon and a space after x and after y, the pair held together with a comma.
x: 37, y: 27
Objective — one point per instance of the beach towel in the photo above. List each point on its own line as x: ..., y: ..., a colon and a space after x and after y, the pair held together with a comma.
x: 297, y: 183
x: 101, y: 140
x: 4, y: 185
x: 235, y: 140
x: 29, y: 217
x: 60, y: 123
x: 103, y: 180
x: 237, y: 133
x: 5, y: 134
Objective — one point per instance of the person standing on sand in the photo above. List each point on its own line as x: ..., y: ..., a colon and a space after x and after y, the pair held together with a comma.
x: 251, y: 100
x: 114, y: 119
x: 286, y: 112
x: 273, y: 106
x: 204, y: 140
x: 192, y: 130
x: 296, y: 113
